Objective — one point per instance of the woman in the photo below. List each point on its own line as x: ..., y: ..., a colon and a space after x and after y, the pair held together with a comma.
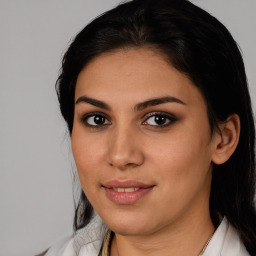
x: 155, y: 97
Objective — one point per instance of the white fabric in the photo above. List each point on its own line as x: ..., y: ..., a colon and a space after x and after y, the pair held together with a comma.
x: 225, y: 242
x: 88, y: 241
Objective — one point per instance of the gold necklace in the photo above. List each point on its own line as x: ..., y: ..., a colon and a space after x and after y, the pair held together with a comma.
x: 202, y: 252
x: 109, y: 235
x: 107, y: 243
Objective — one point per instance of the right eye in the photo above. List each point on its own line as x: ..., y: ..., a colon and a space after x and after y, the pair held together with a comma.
x: 95, y: 120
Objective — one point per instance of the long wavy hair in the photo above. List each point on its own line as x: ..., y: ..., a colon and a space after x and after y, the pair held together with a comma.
x: 199, y: 46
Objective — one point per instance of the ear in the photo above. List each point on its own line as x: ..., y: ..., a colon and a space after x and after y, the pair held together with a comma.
x: 226, y: 140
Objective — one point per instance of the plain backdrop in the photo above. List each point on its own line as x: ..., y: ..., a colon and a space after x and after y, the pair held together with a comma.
x: 35, y: 157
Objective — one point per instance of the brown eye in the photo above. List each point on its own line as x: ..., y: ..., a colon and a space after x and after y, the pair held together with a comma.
x: 99, y: 120
x: 95, y: 120
x: 159, y: 119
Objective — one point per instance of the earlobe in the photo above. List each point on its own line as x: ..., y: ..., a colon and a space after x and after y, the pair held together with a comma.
x: 227, y: 140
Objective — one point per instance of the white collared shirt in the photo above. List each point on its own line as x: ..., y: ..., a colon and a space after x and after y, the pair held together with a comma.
x: 88, y: 241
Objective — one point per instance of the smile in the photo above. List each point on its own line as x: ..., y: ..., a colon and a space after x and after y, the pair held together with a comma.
x: 126, y: 192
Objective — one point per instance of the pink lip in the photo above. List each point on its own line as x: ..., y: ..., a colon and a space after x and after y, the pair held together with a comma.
x: 125, y: 184
x: 126, y: 198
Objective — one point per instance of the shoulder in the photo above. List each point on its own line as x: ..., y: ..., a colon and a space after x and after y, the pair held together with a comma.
x: 86, y: 241
x: 226, y: 242
x: 233, y: 243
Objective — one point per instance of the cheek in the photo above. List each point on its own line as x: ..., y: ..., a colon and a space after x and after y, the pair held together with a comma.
x: 182, y: 172
x: 88, y: 153
x: 183, y: 161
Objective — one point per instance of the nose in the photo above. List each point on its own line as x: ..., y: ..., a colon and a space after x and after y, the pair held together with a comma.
x: 125, y: 150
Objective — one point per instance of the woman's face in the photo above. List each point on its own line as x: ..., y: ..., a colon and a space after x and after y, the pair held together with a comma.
x: 141, y: 142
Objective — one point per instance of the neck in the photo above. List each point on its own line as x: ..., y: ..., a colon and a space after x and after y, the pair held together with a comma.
x: 182, y: 238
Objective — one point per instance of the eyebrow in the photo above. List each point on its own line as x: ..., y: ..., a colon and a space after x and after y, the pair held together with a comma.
x: 138, y: 107
x: 157, y: 101
x: 94, y: 102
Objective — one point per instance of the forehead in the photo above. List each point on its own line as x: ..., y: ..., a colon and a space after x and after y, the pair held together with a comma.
x: 136, y: 74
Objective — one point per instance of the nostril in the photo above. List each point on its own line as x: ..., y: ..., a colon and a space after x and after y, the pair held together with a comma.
x: 123, y: 155
x: 131, y: 165
x: 124, y: 166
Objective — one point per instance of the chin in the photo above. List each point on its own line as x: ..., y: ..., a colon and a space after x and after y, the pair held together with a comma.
x: 130, y: 230
x: 130, y: 225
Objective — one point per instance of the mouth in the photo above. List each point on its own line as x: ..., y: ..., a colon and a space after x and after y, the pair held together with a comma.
x: 126, y: 192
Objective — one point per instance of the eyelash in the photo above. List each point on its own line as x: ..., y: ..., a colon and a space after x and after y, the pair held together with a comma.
x: 167, y: 118
x: 170, y: 119
x: 85, y: 118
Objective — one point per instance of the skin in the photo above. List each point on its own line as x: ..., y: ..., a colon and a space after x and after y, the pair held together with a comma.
x: 173, y: 218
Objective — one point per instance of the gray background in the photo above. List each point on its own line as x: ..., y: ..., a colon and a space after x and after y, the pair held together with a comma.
x: 35, y: 157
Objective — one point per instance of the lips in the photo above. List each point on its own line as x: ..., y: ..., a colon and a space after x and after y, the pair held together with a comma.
x: 126, y: 192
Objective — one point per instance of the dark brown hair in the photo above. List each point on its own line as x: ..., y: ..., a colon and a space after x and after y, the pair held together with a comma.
x: 198, y: 45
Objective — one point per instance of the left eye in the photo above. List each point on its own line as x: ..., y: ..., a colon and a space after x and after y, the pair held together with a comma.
x: 159, y: 120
